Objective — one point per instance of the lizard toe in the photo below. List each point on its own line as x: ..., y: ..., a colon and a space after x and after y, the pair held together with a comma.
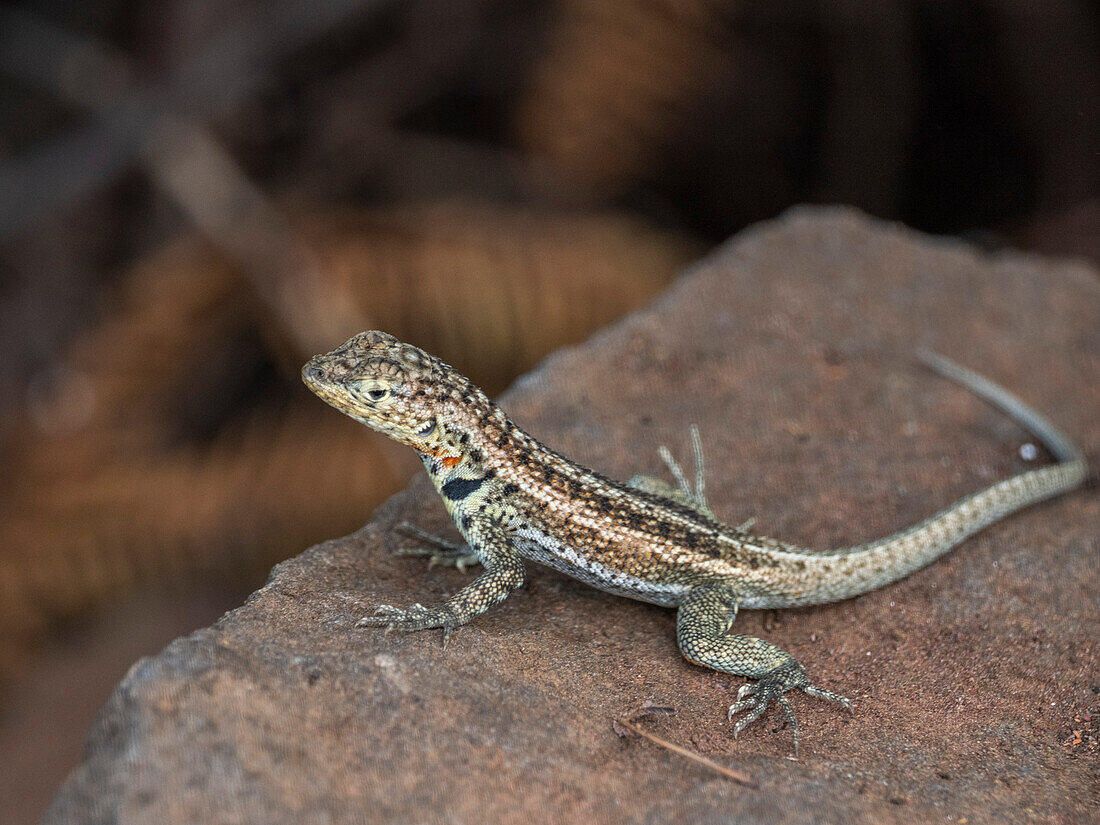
x: 828, y: 695
x: 755, y: 698
x: 417, y: 617
x: 755, y: 713
x: 740, y: 705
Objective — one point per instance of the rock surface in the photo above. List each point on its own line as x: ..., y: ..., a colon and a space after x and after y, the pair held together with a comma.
x: 791, y: 347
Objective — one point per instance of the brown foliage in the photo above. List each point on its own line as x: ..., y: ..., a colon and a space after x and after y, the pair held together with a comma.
x: 616, y: 80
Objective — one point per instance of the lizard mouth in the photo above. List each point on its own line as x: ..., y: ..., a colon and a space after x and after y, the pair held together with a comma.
x: 316, y: 378
x: 312, y: 373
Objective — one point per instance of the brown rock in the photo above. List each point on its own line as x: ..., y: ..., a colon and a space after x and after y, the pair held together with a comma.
x: 791, y: 347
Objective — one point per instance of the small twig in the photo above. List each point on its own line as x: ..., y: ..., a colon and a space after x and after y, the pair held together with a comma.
x: 736, y: 776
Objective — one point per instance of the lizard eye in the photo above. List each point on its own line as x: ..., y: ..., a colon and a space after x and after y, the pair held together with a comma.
x: 377, y: 394
x: 426, y: 429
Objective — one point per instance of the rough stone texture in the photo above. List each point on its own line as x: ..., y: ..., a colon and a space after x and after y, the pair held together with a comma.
x: 791, y: 347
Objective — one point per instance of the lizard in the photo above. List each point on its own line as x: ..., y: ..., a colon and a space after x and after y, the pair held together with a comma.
x: 514, y: 499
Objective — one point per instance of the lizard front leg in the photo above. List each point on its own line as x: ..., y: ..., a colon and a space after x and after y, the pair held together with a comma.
x: 702, y: 632
x: 503, y: 573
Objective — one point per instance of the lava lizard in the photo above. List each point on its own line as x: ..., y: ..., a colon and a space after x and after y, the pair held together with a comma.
x: 513, y: 498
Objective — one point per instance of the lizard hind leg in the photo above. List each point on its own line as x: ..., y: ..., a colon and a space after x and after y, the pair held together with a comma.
x: 690, y: 495
x: 702, y: 623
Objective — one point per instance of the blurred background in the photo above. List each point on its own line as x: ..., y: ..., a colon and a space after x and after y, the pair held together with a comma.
x: 198, y: 195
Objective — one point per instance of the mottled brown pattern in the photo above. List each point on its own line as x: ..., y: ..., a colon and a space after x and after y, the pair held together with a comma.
x: 511, y: 498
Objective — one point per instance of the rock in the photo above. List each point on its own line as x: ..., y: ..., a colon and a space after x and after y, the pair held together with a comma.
x: 974, y: 680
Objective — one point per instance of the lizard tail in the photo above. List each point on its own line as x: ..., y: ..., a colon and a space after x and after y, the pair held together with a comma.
x: 855, y: 570
x: 1055, y: 440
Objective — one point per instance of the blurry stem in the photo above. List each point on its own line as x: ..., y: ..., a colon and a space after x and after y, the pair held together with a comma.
x: 189, y: 165
x: 226, y: 67
x: 187, y: 162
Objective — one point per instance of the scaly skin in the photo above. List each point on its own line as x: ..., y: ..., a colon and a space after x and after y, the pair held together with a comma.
x: 512, y: 498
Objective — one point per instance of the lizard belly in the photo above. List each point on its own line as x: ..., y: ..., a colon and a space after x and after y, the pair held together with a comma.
x: 538, y: 546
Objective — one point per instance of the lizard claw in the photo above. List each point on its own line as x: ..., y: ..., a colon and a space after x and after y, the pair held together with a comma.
x: 755, y: 698
x: 417, y: 617
x: 737, y: 707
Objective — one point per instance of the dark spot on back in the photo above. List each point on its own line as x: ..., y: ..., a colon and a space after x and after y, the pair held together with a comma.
x: 459, y: 488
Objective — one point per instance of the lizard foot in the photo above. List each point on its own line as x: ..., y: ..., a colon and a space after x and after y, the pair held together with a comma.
x: 755, y: 698
x: 417, y: 617
x: 440, y: 552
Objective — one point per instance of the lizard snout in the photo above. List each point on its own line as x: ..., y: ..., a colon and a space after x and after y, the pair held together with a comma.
x: 312, y: 373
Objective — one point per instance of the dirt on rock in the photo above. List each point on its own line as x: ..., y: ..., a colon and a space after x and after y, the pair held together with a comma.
x: 975, y: 681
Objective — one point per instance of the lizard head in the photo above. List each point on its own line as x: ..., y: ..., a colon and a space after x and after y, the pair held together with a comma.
x: 395, y: 388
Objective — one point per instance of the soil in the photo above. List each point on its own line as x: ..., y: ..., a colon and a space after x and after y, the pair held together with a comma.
x: 975, y: 681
